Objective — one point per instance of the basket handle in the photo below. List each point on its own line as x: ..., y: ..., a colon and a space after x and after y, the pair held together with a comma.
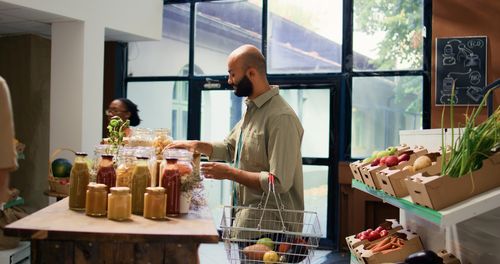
x: 54, y: 154
x: 277, y: 199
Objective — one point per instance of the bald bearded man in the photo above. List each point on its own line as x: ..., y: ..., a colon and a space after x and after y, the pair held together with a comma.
x: 267, y: 140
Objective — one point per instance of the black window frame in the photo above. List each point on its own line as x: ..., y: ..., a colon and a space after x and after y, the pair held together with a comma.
x: 340, y: 85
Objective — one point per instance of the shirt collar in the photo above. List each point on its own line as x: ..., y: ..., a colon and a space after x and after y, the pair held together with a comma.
x: 263, y: 98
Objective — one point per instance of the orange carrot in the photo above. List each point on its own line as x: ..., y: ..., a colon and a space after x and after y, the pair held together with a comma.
x: 390, y: 250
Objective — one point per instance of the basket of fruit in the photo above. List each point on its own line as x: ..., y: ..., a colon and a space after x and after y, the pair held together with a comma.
x: 269, y: 235
x: 59, y: 171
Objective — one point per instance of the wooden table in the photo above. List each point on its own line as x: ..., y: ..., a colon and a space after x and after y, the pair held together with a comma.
x: 60, y: 235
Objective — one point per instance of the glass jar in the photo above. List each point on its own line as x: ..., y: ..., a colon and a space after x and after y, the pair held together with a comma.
x: 119, y: 203
x: 99, y: 150
x: 106, y: 173
x: 171, y: 181
x: 155, y: 203
x: 141, y: 137
x: 161, y: 139
x: 141, y: 178
x: 96, y: 201
x: 150, y: 153
x: 126, y: 164
x: 78, y: 181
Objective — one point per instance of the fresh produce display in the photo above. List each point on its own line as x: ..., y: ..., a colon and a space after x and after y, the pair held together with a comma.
x: 475, y: 144
x: 389, y: 244
x: 287, y: 252
x: 371, y: 235
x: 392, y: 160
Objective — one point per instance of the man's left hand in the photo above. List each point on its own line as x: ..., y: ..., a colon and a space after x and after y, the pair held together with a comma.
x: 217, y: 170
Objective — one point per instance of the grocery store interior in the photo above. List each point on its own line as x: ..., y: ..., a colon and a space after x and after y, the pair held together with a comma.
x: 368, y: 80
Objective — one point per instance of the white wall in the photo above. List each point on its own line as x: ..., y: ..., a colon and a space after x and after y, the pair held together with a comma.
x: 142, y: 18
x: 77, y: 60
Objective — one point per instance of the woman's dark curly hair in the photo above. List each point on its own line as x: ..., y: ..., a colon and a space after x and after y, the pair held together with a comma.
x: 134, y: 112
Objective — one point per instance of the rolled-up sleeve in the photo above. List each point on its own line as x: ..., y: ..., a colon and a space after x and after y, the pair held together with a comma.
x: 284, y: 151
x: 225, y: 150
x: 8, y: 159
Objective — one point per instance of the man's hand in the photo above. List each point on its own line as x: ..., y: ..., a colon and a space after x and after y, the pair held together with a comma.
x: 183, y: 144
x: 217, y: 170
x: 193, y: 146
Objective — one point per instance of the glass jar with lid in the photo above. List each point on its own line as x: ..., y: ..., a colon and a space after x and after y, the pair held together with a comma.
x: 141, y: 137
x: 161, y: 139
x: 152, y: 163
x: 96, y: 199
x: 126, y: 163
x: 99, y: 150
x: 155, y: 203
x: 141, y: 178
x: 119, y: 203
x: 176, y: 177
x: 78, y: 181
x: 106, y: 173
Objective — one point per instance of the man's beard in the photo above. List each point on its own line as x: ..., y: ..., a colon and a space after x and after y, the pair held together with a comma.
x: 244, y: 88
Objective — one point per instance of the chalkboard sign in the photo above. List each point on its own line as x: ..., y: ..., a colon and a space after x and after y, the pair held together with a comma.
x: 463, y: 60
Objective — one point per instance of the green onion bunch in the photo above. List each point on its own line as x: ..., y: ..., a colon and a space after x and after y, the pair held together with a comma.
x: 475, y: 144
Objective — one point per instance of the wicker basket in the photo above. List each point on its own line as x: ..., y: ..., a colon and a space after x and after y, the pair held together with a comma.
x: 58, y: 185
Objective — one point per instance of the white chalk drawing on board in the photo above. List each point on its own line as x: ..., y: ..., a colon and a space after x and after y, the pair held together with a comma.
x: 475, y: 43
x: 448, y: 54
x: 473, y: 92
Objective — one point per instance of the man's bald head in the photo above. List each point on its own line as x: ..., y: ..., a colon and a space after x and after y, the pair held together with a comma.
x: 249, y: 56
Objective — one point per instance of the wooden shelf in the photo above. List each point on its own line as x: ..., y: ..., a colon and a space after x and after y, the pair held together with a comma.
x: 451, y: 215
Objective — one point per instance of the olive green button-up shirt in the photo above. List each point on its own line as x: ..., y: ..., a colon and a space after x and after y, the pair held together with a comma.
x: 271, y: 141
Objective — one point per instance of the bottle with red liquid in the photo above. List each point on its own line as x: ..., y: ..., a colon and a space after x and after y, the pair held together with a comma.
x: 106, y: 173
x: 171, y: 181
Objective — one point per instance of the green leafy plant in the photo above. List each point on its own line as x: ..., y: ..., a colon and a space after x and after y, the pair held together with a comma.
x: 476, y: 143
x: 116, y: 133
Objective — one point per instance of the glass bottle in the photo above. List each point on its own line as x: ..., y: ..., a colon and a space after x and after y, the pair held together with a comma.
x: 96, y: 201
x: 171, y: 181
x: 79, y: 179
x: 106, y: 173
x: 119, y: 203
x: 141, y: 137
x: 155, y: 203
x: 126, y: 164
x: 140, y: 181
x: 161, y: 139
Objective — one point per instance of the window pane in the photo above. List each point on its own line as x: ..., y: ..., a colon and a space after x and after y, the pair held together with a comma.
x: 304, y: 36
x: 381, y: 106
x: 312, y: 106
x: 157, y: 107
x: 316, y: 192
x: 216, y: 120
x: 168, y: 56
x: 388, y: 35
x: 221, y: 27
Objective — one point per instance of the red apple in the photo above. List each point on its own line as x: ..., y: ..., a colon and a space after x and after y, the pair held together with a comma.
x: 375, y: 162
x: 374, y: 235
x: 378, y: 229
x: 404, y: 157
x: 391, y: 161
x: 384, y: 233
x: 382, y: 161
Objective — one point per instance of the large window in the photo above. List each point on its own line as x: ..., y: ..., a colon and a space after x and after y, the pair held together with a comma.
x: 355, y: 72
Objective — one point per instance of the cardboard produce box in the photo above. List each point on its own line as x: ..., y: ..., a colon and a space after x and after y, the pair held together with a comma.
x: 438, y: 192
x: 391, y: 225
x: 369, y: 172
x: 392, y: 179
x: 411, y: 244
x: 355, y: 166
